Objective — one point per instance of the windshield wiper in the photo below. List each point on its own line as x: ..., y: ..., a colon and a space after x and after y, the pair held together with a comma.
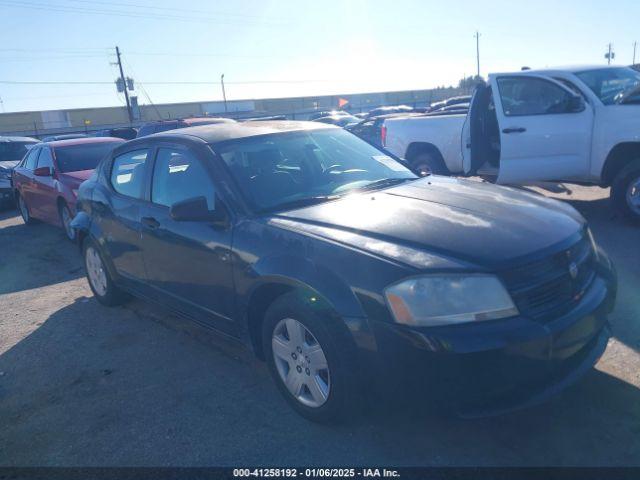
x: 385, y: 182
x: 300, y: 202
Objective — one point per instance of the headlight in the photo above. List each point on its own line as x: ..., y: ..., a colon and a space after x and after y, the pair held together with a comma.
x: 449, y: 299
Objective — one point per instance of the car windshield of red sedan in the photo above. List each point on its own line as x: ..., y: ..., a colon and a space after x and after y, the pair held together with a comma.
x: 74, y: 158
x: 288, y: 170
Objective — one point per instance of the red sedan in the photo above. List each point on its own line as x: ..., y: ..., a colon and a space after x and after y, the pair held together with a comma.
x: 46, y: 181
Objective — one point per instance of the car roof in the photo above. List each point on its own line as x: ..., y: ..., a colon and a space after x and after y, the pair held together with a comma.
x: 562, y: 69
x: 19, y: 139
x: 188, y: 120
x: 82, y: 141
x: 231, y: 131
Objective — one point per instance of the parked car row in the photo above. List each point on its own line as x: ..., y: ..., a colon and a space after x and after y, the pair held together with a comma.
x: 341, y: 268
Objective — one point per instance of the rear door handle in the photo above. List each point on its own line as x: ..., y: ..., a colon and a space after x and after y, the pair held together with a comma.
x: 514, y: 130
x: 150, y: 222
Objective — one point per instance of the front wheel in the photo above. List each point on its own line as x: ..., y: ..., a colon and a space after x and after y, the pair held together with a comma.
x: 102, y: 286
x: 311, y: 364
x: 65, y: 220
x: 24, y: 211
x: 625, y: 191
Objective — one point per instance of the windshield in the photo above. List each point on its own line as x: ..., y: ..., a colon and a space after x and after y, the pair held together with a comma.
x: 288, y: 169
x: 75, y: 158
x: 14, y: 150
x: 611, y: 84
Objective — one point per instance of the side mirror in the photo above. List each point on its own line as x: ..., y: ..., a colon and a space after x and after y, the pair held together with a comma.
x: 576, y: 104
x: 197, y: 210
x: 43, y: 172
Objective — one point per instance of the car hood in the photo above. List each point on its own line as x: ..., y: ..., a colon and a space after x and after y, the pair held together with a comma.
x: 9, y: 164
x: 76, y: 178
x: 478, y: 224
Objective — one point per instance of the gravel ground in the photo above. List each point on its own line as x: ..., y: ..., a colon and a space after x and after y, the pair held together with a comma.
x: 84, y: 385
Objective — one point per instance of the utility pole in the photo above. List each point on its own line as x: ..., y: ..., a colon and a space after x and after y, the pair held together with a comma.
x: 224, y: 94
x: 610, y: 54
x: 635, y: 44
x: 124, y: 84
x: 478, y: 52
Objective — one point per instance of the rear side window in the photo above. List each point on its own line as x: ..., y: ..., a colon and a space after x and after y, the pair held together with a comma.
x: 179, y: 176
x: 127, y: 173
x: 31, y: 160
x: 531, y: 96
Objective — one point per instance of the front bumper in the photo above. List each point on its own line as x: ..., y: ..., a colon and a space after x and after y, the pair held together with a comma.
x: 497, y: 366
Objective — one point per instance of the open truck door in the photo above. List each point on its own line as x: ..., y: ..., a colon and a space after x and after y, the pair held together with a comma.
x: 473, y: 130
x: 544, y: 127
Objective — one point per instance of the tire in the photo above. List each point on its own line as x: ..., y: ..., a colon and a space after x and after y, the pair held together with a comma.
x: 625, y: 191
x: 65, y: 219
x: 100, y: 282
x: 326, y: 395
x: 426, y: 163
x: 24, y: 210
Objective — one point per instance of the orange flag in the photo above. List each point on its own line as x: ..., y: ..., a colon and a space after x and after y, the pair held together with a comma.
x: 342, y: 102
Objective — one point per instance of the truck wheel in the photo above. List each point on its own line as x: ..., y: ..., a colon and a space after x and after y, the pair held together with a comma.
x: 427, y: 164
x: 625, y: 191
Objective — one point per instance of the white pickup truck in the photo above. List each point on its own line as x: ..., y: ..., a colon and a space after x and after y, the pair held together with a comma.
x: 577, y: 125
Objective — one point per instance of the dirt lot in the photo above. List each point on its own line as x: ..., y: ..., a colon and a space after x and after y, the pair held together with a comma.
x: 84, y: 385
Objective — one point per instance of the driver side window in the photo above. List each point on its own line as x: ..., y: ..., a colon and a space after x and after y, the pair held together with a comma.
x: 522, y: 96
x: 178, y: 175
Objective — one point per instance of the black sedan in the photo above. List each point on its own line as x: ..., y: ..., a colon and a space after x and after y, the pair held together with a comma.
x: 346, y: 272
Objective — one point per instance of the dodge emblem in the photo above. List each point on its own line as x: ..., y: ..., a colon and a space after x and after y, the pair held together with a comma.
x: 573, y: 270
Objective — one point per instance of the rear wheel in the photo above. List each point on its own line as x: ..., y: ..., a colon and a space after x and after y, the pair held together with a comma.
x: 426, y: 163
x: 99, y: 279
x: 625, y: 191
x: 311, y: 364
x: 65, y: 220
x: 24, y: 211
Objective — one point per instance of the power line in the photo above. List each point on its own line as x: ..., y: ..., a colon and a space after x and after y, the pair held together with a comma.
x: 129, y: 14
x: 169, y: 9
x: 178, y: 82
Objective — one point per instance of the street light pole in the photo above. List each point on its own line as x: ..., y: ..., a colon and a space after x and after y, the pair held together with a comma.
x: 224, y: 94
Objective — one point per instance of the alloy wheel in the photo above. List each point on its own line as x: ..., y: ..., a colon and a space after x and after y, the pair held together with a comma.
x: 95, y: 271
x: 301, y: 363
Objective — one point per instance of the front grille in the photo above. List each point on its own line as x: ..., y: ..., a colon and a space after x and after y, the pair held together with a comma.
x: 546, y: 289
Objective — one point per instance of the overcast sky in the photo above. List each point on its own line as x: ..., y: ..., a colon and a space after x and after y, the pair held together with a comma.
x: 289, y: 47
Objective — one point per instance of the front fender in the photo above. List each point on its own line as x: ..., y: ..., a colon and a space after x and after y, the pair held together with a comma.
x: 302, y: 273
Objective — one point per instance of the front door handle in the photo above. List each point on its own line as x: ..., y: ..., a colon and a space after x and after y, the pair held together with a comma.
x: 514, y: 130
x: 150, y: 222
